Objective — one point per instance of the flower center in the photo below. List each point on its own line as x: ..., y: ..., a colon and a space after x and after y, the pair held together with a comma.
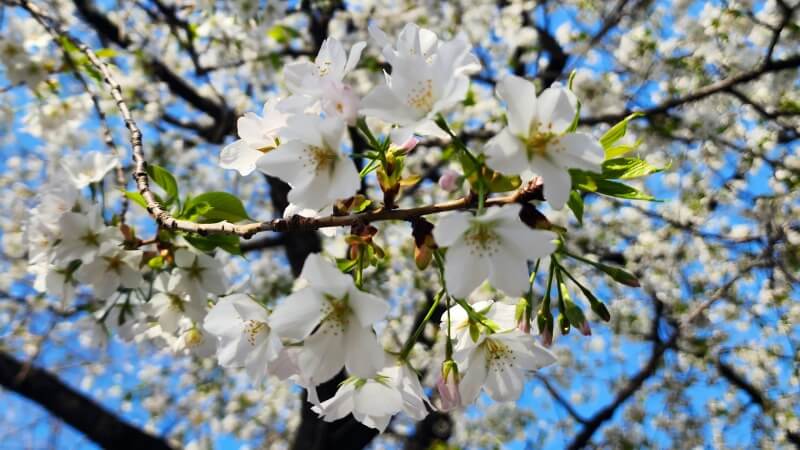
x: 499, y: 356
x: 320, y: 158
x: 538, y: 143
x: 252, y: 328
x: 90, y: 239
x: 482, y: 240
x: 336, y: 313
x: 193, y: 338
x: 113, y: 263
x: 420, y: 97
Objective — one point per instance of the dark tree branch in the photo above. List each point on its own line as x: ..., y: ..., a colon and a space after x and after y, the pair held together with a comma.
x: 69, y: 405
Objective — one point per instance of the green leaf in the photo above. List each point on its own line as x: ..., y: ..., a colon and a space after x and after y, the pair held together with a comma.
x: 616, y: 132
x: 136, y: 197
x: 619, y: 150
x: 164, y: 179
x: 215, y: 206
x: 501, y: 183
x: 227, y: 242
x: 282, y: 33
x: 575, y: 203
x: 592, y: 182
x: 627, y: 168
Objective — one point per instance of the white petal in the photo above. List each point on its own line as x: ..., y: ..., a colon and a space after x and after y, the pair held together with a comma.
x: 354, y: 56
x: 298, y: 315
x: 383, y: 104
x: 450, y: 227
x: 368, y: 308
x: 345, y: 180
x: 520, y: 97
x: 473, y: 375
x: 365, y: 356
x: 504, y: 383
x: 579, y: 151
x: 463, y: 271
x: 377, y: 399
x: 526, y: 242
x: 506, y: 153
x: 323, y: 354
x: 286, y: 163
x: 509, y: 273
x: 239, y: 156
x: 338, y: 406
x: 324, y: 276
x: 556, y: 109
x: 557, y: 182
x: 247, y: 308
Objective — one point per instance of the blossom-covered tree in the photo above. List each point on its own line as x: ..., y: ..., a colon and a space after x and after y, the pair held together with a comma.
x: 342, y: 224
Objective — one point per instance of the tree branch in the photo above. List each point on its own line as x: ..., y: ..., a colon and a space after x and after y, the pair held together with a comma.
x: 80, y: 412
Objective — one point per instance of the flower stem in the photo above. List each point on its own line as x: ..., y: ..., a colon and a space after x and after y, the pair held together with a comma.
x: 421, y: 327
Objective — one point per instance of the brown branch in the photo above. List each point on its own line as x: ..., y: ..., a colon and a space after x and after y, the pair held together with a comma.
x: 85, y: 415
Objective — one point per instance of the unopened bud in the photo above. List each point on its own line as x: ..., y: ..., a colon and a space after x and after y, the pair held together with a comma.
x: 447, y: 386
x: 423, y: 256
x: 531, y: 217
x: 449, y: 180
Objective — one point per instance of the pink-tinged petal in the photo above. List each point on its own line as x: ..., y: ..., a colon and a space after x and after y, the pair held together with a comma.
x: 519, y: 95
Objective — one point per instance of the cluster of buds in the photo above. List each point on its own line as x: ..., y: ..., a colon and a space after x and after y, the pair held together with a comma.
x: 361, y: 244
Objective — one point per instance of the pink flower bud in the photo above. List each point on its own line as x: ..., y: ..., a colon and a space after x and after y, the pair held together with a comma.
x: 448, y: 181
x: 524, y: 326
x: 409, y: 144
x: 447, y: 386
x: 448, y: 394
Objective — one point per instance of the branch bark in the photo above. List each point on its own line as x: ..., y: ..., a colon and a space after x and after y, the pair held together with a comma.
x: 85, y: 415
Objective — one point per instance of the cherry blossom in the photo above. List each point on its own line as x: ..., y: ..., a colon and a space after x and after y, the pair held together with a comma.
x: 334, y: 320
x: 82, y: 235
x: 171, y: 304
x: 311, y: 162
x: 199, y: 275
x: 330, y: 66
x: 111, y: 269
x: 456, y: 318
x: 245, y: 338
x: 257, y: 136
x: 536, y: 140
x: 495, y: 245
x: 498, y: 363
x: 87, y: 168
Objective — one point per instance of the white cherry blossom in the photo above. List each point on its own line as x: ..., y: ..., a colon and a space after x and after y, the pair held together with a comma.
x: 535, y: 140
x: 112, y: 268
x: 257, y: 135
x: 373, y: 401
x: 330, y: 66
x: 311, y: 162
x: 423, y: 84
x: 334, y: 320
x: 87, y: 168
x: 199, y: 275
x: 82, y: 235
x: 244, y: 336
x: 495, y: 245
x: 170, y: 304
x: 500, y: 314
x: 499, y: 364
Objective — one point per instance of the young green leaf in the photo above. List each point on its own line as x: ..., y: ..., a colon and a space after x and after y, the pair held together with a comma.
x: 627, y: 168
x: 575, y: 203
x: 163, y: 178
x: 216, y: 206
x: 618, y: 131
x: 227, y: 242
